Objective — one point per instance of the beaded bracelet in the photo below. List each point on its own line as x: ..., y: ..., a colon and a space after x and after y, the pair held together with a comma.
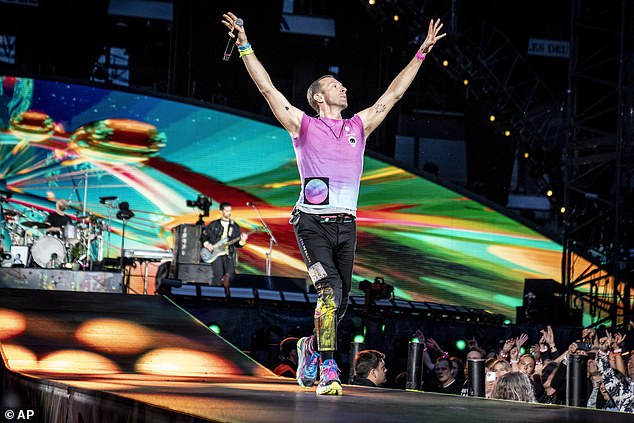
x: 420, y: 56
x: 244, y: 47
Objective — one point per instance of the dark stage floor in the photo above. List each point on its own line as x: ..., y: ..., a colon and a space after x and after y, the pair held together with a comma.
x: 138, y: 357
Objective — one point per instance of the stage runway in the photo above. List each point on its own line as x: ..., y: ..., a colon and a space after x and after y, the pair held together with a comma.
x: 73, y: 356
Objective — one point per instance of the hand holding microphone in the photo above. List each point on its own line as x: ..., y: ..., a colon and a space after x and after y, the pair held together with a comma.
x: 236, y: 29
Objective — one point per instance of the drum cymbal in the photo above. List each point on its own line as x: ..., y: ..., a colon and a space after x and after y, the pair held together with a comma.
x: 35, y: 224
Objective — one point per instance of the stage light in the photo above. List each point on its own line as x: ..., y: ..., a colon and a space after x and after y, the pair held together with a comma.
x: 507, y: 133
x: 124, y: 212
x: 507, y: 321
x: 549, y: 193
x: 526, y: 155
x: 445, y: 63
x: 215, y: 328
x: 461, y: 344
x: 396, y: 18
x: 562, y: 210
x: 371, y: 2
x: 465, y: 82
x: 492, y: 118
x: 359, y: 338
x: 415, y: 340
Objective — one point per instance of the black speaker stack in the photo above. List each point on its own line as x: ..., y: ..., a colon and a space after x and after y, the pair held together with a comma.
x: 544, y: 304
x: 186, y: 264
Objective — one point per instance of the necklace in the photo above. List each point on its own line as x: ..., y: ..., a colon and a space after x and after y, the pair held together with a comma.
x: 343, y: 125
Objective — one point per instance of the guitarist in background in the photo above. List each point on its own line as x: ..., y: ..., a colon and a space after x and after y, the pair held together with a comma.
x: 224, y: 266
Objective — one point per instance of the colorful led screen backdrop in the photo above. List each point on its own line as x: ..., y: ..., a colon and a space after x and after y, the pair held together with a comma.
x: 81, y: 143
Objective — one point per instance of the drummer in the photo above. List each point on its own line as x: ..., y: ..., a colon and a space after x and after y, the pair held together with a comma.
x: 58, y: 219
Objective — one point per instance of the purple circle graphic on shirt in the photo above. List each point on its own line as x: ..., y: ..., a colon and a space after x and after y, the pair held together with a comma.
x: 316, y: 191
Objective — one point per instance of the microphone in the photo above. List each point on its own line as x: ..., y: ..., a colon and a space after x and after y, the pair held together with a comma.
x: 232, y: 41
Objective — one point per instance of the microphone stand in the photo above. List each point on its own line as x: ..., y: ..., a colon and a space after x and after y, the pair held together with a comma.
x: 272, y: 240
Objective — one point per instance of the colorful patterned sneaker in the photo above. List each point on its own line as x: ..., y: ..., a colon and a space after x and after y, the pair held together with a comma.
x: 308, y: 362
x: 329, y: 383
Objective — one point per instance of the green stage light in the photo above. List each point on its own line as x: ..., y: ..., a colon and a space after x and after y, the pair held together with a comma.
x: 415, y: 340
x: 215, y: 328
x: 359, y: 339
x: 461, y: 344
x: 507, y: 321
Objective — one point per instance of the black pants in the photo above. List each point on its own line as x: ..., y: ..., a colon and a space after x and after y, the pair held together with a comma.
x: 223, y: 265
x: 328, y: 251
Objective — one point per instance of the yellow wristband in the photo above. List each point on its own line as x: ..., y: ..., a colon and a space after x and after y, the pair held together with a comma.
x: 246, y: 52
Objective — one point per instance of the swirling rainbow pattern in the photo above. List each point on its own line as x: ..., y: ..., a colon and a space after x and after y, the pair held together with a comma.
x: 59, y: 140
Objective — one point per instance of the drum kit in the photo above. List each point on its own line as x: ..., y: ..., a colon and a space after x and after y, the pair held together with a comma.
x: 27, y: 236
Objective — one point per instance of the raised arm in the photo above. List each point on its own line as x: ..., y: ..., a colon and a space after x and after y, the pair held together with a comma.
x: 373, y: 116
x: 289, y: 116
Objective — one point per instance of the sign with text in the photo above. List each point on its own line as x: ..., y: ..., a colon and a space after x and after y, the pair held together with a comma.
x: 548, y: 48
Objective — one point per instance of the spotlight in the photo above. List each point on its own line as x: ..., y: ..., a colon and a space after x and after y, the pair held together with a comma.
x: 445, y: 63
x: 202, y: 202
x: 549, y: 193
x: 526, y: 155
x: 507, y: 133
x: 372, y: 2
x: 378, y: 289
x: 465, y: 82
x: 124, y: 212
x: 562, y: 210
x: 359, y: 339
x: 507, y: 321
x: 215, y: 328
x: 461, y: 344
x: 492, y: 118
x: 396, y: 18
x: 107, y: 199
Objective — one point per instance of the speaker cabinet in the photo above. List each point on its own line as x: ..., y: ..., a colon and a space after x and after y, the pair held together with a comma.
x: 195, y: 273
x: 187, y: 244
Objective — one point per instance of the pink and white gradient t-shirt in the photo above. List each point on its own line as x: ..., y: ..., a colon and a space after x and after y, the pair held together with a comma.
x: 330, y: 162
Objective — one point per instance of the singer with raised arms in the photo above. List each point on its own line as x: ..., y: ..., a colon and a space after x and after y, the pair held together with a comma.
x: 329, y: 152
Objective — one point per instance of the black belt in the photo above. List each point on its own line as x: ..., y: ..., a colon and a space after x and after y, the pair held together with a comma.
x: 336, y: 218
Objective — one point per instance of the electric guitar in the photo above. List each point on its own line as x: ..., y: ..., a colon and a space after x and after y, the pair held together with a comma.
x: 220, y: 247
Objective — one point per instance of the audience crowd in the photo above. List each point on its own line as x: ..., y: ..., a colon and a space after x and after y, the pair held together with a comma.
x: 538, y: 375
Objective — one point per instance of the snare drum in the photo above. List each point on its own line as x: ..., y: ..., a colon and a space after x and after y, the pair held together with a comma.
x: 49, y: 252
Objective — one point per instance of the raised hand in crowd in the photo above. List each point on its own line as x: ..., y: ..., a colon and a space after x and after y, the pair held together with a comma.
x: 431, y: 343
x: 549, y: 338
x: 521, y: 340
x: 427, y: 361
x: 506, y: 348
x: 472, y: 343
x: 589, y: 335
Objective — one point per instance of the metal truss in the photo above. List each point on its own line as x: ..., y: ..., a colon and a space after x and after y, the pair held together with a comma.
x: 592, y: 130
x: 598, y: 160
